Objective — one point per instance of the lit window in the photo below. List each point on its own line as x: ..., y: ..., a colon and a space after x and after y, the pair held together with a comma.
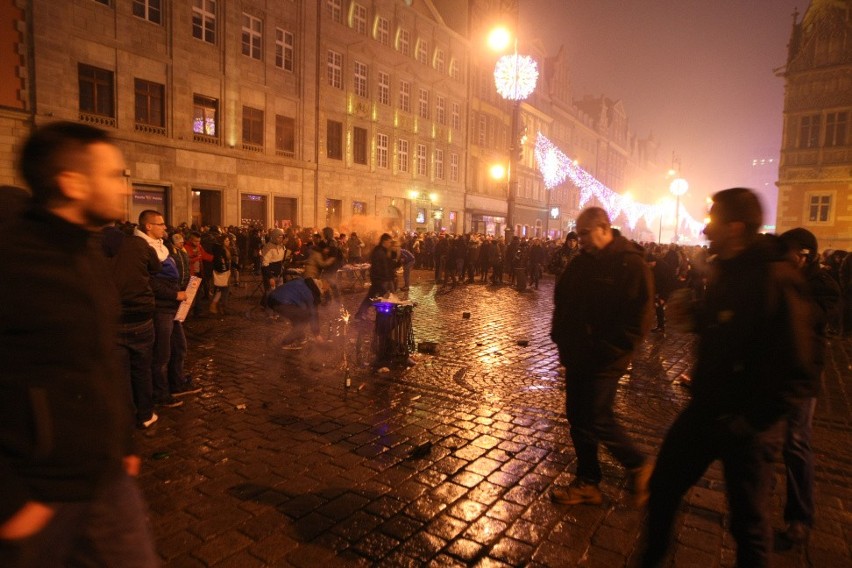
x: 382, y: 150
x: 454, y: 167
x: 402, y: 155
x: 205, y: 113
x: 439, y: 164
x: 360, y: 79
x: 384, y: 88
x: 421, y: 159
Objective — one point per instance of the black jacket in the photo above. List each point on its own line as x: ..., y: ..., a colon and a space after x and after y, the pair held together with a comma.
x: 132, y: 263
x: 603, y: 306
x: 757, y: 350
x: 65, y: 414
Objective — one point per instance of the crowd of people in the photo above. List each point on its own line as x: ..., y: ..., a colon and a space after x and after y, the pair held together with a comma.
x: 87, y: 304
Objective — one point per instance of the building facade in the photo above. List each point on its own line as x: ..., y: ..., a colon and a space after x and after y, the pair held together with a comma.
x: 815, y: 171
x: 356, y: 114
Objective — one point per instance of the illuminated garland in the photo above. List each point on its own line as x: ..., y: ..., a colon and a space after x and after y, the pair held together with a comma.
x: 556, y: 167
x: 515, y: 76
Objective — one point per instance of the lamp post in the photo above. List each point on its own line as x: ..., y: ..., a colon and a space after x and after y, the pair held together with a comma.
x: 515, y: 77
x: 678, y: 187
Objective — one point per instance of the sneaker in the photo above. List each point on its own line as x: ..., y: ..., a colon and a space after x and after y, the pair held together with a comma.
x: 188, y: 388
x: 170, y: 402
x: 638, y: 482
x: 578, y: 492
x: 148, y: 423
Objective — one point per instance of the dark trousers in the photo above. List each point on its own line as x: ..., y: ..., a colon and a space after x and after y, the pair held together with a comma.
x: 135, y: 346
x: 695, y: 440
x: 169, y: 343
x: 589, y: 399
x: 799, y: 464
x: 298, y: 317
x: 111, y: 529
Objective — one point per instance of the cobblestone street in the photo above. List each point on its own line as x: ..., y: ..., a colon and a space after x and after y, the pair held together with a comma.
x: 449, y: 462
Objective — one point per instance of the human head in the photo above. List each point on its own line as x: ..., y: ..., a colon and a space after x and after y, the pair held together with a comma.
x: 386, y: 240
x: 735, y: 217
x: 593, y: 229
x: 76, y: 171
x: 801, y: 244
x: 328, y: 234
x: 177, y: 240
x: 152, y: 224
x: 276, y: 236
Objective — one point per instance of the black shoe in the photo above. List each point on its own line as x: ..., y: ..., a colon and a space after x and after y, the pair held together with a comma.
x: 170, y: 402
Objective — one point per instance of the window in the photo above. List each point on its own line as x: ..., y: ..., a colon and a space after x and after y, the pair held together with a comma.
x: 454, y: 69
x: 284, y: 49
x: 150, y: 103
x: 252, y: 36
x: 384, y: 88
x: 440, y: 64
x: 456, y: 116
x: 359, y: 145
x: 359, y: 208
x: 819, y: 208
x: 383, y: 30
x: 360, y: 79
x: 835, y: 129
x: 334, y: 140
x: 334, y: 69
x: 421, y: 160
x: 403, y: 42
x: 440, y: 110
x: 405, y: 96
x: 252, y: 126
x: 382, y: 150
x: 454, y: 167
x: 205, y: 116
x: 150, y: 10
x: 402, y: 155
x: 334, y: 10
x: 359, y: 19
x: 204, y: 20
x: 809, y: 131
x: 424, y: 103
x: 423, y: 52
x: 439, y: 164
x: 97, y: 93
x: 285, y: 136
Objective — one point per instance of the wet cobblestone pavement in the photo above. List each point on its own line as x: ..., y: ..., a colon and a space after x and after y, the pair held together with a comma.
x: 446, y: 463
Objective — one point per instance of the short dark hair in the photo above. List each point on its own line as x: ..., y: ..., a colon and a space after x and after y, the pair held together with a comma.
x: 597, y: 216
x: 146, y: 216
x: 55, y: 148
x: 739, y: 204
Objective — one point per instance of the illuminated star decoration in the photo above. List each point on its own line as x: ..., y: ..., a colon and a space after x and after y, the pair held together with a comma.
x: 515, y: 76
x: 556, y: 167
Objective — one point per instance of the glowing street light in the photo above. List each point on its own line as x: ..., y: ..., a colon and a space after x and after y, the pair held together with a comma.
x: 497, y: 171
x: 499, y: 39
x: 678, y: 187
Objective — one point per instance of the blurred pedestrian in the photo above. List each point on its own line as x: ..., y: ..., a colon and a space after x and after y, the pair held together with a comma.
x: 602, y: 311
x: 755, y: 363
x: 381, y: 274
x: 66, y: 456
x: 297, y: 301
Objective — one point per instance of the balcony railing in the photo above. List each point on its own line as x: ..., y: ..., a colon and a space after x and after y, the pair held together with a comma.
x: 98, y: 119
x: 150, y: 129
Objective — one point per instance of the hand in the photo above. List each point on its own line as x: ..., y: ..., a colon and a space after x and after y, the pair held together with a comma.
x: 181, y: 296
x: 30, y: 519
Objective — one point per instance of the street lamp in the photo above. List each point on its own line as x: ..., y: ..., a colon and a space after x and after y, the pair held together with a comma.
x: 678, y: 187
x: 515, y: 78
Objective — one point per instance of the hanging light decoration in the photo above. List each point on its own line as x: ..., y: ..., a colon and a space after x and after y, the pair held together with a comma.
x: 515, y: 76
x: 555, y: 168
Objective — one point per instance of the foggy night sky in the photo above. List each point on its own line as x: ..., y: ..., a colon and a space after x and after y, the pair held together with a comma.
x: 695, y: 73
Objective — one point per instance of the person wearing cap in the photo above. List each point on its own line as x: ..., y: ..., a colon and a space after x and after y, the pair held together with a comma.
x: 801, y: 246
x: 297, y: 301
x: 755, y: 364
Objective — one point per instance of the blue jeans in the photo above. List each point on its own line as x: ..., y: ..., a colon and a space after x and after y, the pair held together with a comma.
x: 111, y: 529
x: 135, y: 347
x: 799, y: 465
x: 166, y: 348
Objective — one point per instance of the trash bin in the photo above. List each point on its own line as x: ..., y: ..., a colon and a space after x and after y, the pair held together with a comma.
x: 520, y: 279
x: 393, y: 339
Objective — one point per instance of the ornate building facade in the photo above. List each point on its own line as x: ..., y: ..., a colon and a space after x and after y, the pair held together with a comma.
x: 815, y: 171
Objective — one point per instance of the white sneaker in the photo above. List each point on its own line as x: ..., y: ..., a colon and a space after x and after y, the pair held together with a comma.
x: 150, y: 422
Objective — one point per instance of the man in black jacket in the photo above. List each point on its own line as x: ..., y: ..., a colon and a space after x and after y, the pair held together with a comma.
x: 602, y: 310
x: 755, y: 362
x: 66, y: 461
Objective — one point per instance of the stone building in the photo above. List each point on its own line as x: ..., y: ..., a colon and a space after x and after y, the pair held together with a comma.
x: 358, y: 114
x: 815, y: 172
